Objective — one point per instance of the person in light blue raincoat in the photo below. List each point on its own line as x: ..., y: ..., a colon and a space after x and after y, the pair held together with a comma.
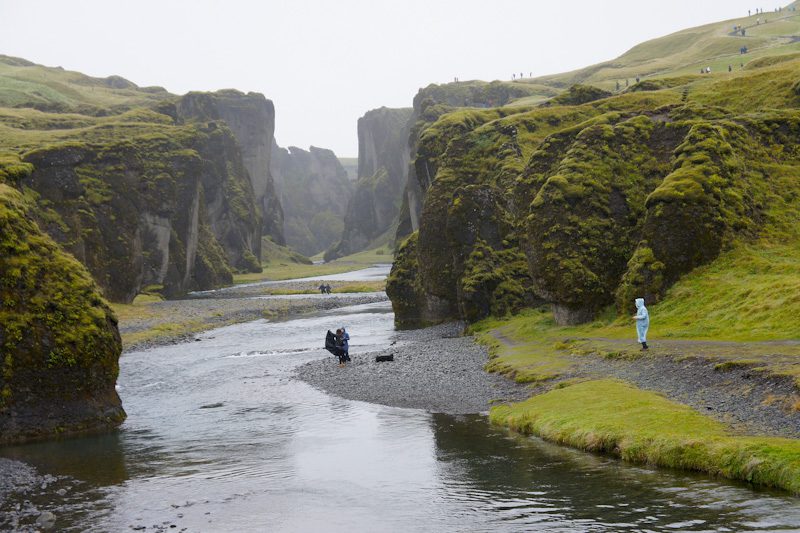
x: 642, y: 318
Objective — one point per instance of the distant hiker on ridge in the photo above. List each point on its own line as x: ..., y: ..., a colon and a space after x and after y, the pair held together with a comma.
x: 642, y: 318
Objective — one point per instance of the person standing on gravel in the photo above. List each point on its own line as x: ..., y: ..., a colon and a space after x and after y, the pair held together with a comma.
x: 346, y: 344
x: 642, y: 318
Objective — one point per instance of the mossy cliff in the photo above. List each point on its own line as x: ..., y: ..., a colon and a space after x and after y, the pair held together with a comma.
x: 383, y: 157
x: 133, y: 211
x: 315, y: 191
x: 603, y: 201
x: 59, y: 344
x: 430, y: 103
x: 143, y: 187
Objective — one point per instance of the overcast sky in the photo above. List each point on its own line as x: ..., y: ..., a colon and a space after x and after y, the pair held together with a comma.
x: 325, y: 63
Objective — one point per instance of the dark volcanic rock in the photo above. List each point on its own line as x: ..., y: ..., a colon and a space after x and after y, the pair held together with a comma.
x: 59, y: 343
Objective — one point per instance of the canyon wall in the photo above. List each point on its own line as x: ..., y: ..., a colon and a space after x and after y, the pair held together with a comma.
x: 383, y: 157
x: 314, y: 189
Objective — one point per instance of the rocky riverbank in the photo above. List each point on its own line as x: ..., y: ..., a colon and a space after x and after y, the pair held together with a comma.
x: 435, y: 369
x: 174, y: 321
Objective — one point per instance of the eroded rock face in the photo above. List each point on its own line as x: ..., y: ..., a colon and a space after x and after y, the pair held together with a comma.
x: 133, y: 211
x: 251, y: 118
x: 383, y: 157
x: 314, y: 189
x: 59, y: 343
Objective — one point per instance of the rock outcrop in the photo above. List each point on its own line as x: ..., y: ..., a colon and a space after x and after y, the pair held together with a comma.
x: 251, y: 118
x: 134, y: 211
x: 590, y: 205
x: 59, y: 343
x: 383, y: 157
x: 314, y: 189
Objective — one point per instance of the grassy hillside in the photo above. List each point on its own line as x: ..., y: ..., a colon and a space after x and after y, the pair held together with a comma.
x: 684, y: 53
x: 25, y: 84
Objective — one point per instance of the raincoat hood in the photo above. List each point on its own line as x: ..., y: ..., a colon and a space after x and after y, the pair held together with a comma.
x: 639, y: 303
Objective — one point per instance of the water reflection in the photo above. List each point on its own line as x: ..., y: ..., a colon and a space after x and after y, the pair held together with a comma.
x: 526, y: 481
x: 98, y: 461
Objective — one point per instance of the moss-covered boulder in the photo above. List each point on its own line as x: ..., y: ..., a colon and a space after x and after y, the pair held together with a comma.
x: 133, y: 210
x: 587, y: 217
x: 59, y: 344
x: 578, y: 94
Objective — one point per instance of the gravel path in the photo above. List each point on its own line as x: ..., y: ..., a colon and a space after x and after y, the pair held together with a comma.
x: 434, y: 369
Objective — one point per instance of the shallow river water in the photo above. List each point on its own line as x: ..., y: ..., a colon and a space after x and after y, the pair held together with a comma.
x: 221, y: 437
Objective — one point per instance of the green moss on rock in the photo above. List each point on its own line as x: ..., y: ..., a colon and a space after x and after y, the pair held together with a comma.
x: 612, y: 199
x: 58, y: 339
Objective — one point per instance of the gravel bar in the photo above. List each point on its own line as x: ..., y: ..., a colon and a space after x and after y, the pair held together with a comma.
x: 434, y: 369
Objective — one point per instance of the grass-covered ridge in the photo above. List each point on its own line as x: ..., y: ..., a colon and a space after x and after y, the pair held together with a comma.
x: 644, y: 427
x: 685, y: 52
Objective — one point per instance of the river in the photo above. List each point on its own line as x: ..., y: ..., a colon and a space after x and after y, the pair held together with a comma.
x: 221, y: 436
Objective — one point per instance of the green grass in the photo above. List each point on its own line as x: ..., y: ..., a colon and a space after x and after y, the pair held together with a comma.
x: 748, y: 295
x: 25, y: 84
x: 283, y: 270
x: 345, y: 288
x: 643, y: 427
x: 686, y: 51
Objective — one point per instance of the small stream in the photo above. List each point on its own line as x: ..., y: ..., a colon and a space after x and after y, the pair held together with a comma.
x: 221, y: 437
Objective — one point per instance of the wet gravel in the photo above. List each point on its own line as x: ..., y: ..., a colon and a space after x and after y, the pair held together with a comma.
x: 26, y: 497
x: 434, y: 369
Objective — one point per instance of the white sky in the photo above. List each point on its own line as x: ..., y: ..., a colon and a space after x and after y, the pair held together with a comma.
x: 325, y: 63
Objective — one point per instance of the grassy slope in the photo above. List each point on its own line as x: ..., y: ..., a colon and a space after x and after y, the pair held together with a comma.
x: 685, y: 52
x: 42, y: 105
x: 24, y: 84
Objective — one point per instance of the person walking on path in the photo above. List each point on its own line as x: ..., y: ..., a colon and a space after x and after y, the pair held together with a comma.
x: 642, y: 318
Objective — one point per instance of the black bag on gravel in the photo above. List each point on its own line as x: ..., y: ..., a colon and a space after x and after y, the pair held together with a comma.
x: 330, y: 344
